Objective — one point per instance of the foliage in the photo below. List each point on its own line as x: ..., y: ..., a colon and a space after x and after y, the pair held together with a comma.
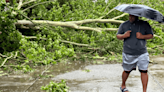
x: 56, y: 87
x: 44, y: 46
x: 10, y: 36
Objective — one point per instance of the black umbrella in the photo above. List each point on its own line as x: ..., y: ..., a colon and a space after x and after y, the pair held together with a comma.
x: 141, y: 11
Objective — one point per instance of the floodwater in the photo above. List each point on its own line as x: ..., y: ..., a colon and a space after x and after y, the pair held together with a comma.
x: 85, y: 77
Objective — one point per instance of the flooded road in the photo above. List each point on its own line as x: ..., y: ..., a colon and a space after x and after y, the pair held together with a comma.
x: 86, y: 77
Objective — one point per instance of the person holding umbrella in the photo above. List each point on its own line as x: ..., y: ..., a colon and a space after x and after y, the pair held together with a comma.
x: 135, y: 32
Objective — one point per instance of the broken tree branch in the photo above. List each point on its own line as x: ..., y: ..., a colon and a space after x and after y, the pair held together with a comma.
x: 20, y: 4
x: 6, y: 60
x: 97, y: 21
x: 2, y: 55
x: 122, y: 15
x: 78, y: 44
x: 64, y: 41
x: 38, y: 4
x: 16, y: 53
x: 68, y: 23
x: 38, y: 78
x: 158, y: 37
x: 109, y: 12
x: 108, y: 6
x: 28, y: 2
x: 72, y: 24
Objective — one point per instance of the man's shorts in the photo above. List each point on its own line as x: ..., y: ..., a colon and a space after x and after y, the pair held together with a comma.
x: 131, y: 61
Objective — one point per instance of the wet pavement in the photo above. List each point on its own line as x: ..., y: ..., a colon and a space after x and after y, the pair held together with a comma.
x: 107, y: 78
x: 87, y: 77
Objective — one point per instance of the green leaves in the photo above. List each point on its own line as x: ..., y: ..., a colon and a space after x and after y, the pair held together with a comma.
x: 45, y: 46
x: 10, y: 36
x: 56, y: 87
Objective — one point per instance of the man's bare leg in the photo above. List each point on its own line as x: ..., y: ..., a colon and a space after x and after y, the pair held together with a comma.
x: 144, y: 79
x: 124, y: 78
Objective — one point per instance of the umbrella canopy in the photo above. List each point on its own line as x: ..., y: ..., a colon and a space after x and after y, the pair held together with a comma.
x: 141, y: 11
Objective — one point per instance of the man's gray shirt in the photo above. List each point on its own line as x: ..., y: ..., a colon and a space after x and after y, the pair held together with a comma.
x: 132, y: 45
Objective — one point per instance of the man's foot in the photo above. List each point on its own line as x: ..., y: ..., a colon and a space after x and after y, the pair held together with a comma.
x: 124, y: 89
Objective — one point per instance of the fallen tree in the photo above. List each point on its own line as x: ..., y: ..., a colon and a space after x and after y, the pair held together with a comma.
x: 44, y: 32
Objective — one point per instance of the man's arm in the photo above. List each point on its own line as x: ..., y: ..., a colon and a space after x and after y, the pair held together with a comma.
x: 123, y: 36
x: 148, y: 33
x: 140, y: 36
x: 120, y: 36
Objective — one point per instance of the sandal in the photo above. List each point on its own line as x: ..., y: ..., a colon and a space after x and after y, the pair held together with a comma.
x: 124, y: 89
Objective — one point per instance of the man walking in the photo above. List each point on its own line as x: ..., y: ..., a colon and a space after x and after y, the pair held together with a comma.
x: 135, y: 32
